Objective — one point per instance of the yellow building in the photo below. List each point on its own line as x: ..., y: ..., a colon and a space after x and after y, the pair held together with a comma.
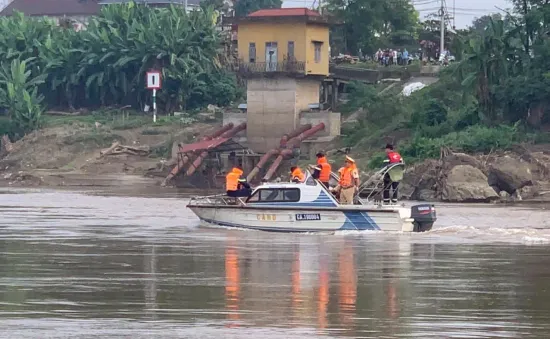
x: 292, y: 40
x: 284, y: 55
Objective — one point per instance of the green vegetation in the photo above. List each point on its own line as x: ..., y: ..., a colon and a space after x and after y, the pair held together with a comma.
x: 245, y: 7
x: 372, y: 24
x: 46, y: 65
x: 495, y: 96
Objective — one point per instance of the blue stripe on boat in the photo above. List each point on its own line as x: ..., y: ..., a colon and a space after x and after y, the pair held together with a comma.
x: 356, y: 220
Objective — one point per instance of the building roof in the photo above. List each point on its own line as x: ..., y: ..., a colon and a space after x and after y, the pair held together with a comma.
x: 302, y: 11
x: 52, y: 7
x: 153, y: 2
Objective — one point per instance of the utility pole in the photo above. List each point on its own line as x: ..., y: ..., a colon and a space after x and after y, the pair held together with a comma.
x: 442, y: 18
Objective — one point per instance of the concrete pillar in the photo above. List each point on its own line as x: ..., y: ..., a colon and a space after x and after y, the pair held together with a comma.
x: 334, y: 94
x: 325, y: 93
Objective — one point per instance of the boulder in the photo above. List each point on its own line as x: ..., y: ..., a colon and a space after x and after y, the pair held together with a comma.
x: 419, y: 181
x: 465, y: 183
x: 455, y: 159
x: 510, y: 174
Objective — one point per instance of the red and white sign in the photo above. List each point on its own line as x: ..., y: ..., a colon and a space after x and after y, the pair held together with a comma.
x: 153, y: 80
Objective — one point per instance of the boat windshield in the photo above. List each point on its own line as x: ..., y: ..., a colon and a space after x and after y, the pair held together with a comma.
x: 275, y: 195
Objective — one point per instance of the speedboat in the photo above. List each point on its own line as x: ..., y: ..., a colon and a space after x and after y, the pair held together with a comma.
x: 308, y: 207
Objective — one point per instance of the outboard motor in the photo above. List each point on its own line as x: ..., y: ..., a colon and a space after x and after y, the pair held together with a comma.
x: 424, y: 217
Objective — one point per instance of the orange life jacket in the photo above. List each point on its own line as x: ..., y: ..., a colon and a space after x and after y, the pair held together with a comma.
x: 346, y: 178
x: 394, y: 157
x: 232, y: 179
x: 298, y: 174
x: 324, y: 176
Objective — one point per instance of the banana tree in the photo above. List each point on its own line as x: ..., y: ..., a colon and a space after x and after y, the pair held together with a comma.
x: 19, y: 94
x: 484, y: 65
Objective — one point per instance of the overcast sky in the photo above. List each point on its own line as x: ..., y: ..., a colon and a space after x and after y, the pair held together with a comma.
x: 465, y: 10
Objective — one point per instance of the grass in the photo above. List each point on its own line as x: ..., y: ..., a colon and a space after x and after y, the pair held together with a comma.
x: 96, y: 138
x: 371, y: 65
x: 115, y: 119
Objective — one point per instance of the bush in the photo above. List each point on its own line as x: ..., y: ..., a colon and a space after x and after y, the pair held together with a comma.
x: 105, y: 64
x: 474, y: 139
x: 19, y: 95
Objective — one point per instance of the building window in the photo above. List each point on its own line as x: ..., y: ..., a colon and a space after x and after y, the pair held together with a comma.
x: 271, y: 56
x: 252, y: 52
x: 317, y: 46
x: 290, y: 53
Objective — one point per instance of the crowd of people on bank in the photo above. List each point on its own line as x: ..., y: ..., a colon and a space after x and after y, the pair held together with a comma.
x: 348, y: 183
x: 388, y: 57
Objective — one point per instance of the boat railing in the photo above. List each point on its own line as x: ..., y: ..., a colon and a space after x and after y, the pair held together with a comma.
x: 374, y: 186
x: 217, y: 199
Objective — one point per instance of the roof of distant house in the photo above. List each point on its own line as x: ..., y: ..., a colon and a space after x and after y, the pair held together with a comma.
x: 52, y: 7
x: 302, y: 11
x: 152, y: 2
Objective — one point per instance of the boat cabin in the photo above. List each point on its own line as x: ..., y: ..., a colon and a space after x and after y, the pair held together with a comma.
x: 308, y: 193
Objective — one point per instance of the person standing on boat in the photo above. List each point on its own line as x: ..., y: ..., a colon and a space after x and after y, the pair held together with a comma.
x: 235, y: 185
x: 349, y: 182
x: 324, y: 173
x: 296, y: 174
x: 393, y: 176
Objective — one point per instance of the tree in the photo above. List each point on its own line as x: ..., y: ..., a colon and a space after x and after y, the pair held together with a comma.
x: 245, y: 7
x: 484, y: 66
x: 481, y: 23
x: 372, y: 24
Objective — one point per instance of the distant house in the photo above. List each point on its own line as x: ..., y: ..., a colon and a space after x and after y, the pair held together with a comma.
x: 77, y: 10
x: 191, y: 4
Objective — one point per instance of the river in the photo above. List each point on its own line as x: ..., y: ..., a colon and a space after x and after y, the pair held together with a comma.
x: 102, y: 265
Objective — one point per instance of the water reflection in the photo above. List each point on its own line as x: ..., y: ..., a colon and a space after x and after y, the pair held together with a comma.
x: 232, y: 283
x: 307, y: 272
x: 323, y: 292
x: 82, y: 268
x: 347, y: 289
x: 150, y: 289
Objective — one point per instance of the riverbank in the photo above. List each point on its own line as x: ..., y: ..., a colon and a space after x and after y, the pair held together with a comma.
x: 78, y: 151
x: 71, y: 153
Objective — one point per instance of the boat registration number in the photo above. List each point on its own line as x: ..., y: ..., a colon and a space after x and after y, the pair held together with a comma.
x: 301, y: 217
x: 267, y: 217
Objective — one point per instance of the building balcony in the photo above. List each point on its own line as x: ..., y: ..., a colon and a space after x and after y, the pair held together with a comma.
x: 289, y: 68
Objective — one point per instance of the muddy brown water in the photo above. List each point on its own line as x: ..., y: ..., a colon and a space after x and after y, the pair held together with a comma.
x: 102, y: 265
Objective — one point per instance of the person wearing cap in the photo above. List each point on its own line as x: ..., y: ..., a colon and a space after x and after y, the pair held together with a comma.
x: 393, y: 176
x: 348, y: 183
x: 235, y: 185
x: 296, y: 174
x: 326, y: 170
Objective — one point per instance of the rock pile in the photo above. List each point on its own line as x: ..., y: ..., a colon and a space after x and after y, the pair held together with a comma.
x: 458, y: 177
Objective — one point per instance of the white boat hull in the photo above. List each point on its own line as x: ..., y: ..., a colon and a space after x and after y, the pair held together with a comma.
x: 300, y: 220
x: 307, y: 207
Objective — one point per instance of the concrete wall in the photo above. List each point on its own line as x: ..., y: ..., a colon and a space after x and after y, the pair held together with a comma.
x: 236, y: 119
x: 274, y: 106
x: 330, y: 119
x: 307, y: 92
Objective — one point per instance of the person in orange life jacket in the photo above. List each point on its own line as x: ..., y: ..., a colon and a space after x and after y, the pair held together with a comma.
x: 393, y: 158
x: 316, y: 171
x: 349, y: 182
x: 235, y: 185
x: 296, y: 174
x: 325, y: 169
